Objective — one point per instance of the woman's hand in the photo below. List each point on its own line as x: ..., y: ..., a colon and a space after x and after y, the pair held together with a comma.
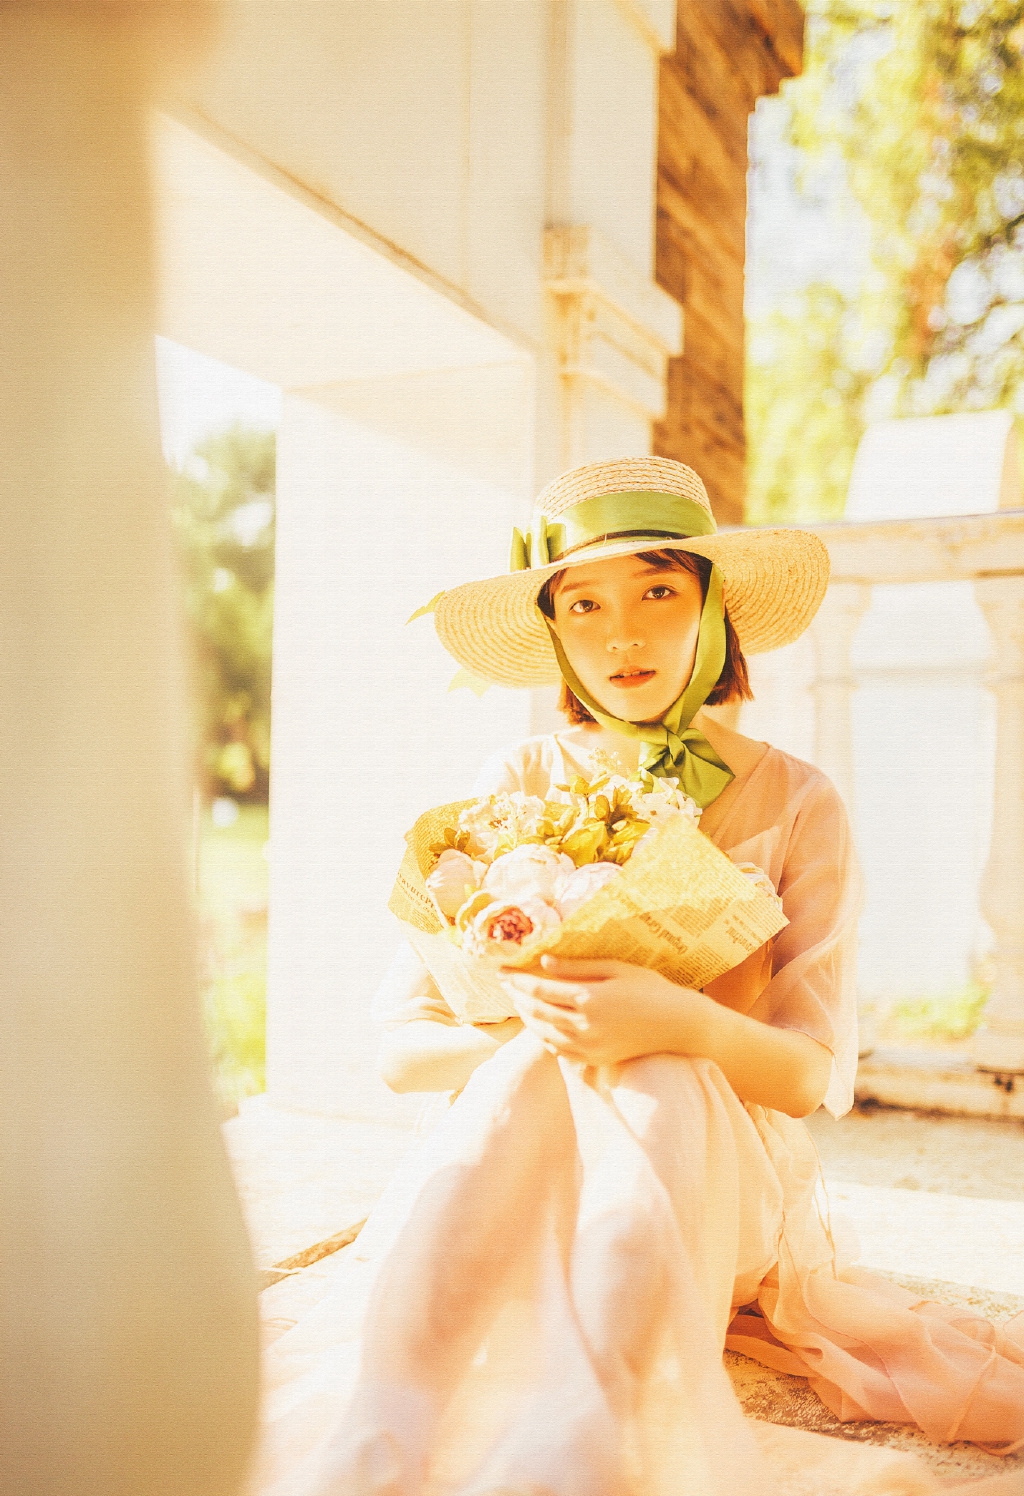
x: 603, y: 1012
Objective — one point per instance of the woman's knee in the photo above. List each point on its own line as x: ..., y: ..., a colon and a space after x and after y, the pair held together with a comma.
x: 659, y: 1074
x: 666, y: 1095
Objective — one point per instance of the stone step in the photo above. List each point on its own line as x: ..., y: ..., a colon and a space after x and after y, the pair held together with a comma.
x: 978, y: 1244
x: 306, y: 1182
x: 937, y: 1080
x: 772, y: 1399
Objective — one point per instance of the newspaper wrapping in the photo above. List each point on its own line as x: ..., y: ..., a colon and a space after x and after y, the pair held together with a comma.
x: 680, y: 907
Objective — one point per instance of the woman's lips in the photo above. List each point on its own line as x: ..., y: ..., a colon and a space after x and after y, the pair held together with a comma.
x: 633, y: 678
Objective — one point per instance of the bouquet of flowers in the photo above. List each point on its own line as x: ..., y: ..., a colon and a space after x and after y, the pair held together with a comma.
x: 514, y: 866
x: 615, y: 867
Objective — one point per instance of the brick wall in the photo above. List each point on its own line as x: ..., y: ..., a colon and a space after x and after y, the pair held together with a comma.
x: 728, y: 52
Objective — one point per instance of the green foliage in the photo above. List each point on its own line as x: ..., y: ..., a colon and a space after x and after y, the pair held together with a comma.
x: 951, y: 1015
x: 804, y: 399
x: 235, y: 1009
x: 233, y: 885
x: 223, y: 513
x: 921, y: 102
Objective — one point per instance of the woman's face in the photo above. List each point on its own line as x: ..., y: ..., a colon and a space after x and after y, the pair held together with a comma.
x: 629, y: 631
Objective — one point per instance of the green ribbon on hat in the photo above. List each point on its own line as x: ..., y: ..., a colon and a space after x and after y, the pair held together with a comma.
x: 608, y: 517
x: 671, y: 747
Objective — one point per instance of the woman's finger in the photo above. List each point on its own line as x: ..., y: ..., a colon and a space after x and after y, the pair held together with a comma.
x: 566, y: 1020
x: 552, y: 1038
x: 560, y: 994
x: 580, y: 970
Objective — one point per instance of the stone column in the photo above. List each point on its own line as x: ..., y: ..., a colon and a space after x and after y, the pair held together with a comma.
x: 609, y: 327
x: 832, y: 634
x: 999, y: 1045
x: 128, y: 1327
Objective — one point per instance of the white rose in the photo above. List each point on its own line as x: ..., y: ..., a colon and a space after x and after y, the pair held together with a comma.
x: 527, y: 872
x: 661, y: 805
x: 579, y: 885
x: 454, y: 877
x: 512, y: 816
x: 508, y: 923
x: 483, y: 825
x: 760, y: 879
x: 523, y: 813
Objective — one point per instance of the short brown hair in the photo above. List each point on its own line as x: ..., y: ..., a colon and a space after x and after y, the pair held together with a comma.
x: 732, y: 685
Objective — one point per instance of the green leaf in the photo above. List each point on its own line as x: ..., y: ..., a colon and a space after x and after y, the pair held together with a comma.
x: 466, y: 680
x: 426, y: 608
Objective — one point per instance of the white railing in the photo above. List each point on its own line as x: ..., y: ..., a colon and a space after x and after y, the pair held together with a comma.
x: 987, y: 550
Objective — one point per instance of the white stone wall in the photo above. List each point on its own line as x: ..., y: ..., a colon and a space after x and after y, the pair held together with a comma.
x: 433, y: 226
x: 388, y: 494
x: 923, y: 750
x: 423, y: 123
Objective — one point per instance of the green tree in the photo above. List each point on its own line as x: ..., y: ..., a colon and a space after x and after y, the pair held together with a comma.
x: 804, y: 408
x: 223, y: 512
x: 922, y: 102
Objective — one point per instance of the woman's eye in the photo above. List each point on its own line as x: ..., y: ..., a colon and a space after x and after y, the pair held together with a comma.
x: 582, y: 605
x: 658, y: 591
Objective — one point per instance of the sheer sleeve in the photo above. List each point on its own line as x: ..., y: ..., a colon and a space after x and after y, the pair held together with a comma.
x: 408, y: 992
x: 500, y: 775
x: 813, y: 987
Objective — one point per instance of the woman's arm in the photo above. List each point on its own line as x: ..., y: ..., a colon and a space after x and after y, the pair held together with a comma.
x: 781, y: 1068
x: 603, y: 1012
x: 424, y: 1047
x: 425, y: 1055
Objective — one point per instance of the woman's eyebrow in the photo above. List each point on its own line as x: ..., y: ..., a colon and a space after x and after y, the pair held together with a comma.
x: 647, y: 571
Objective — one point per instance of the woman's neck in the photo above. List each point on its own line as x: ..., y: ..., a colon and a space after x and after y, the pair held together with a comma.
x: 740, y: 753
x: 591, y: 737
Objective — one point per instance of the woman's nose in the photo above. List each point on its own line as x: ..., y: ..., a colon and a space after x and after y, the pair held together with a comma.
x: 623, y: 633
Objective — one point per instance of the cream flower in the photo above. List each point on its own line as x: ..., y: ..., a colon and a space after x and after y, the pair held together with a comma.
x: 501, y: 821
x: 483, y: 824
x: 531, y: 871
x: 454, y: 877
x: 760, y: 879
x: 508, y: 923
x: 663, y: 800
x: 579, y: 885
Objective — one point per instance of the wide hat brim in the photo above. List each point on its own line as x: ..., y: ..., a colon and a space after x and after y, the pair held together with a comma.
x: 773, y: 583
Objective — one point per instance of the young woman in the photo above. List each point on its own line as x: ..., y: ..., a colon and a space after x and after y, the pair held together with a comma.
x: 623, y: 1186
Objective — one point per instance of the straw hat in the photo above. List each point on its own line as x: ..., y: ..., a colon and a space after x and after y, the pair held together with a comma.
x: 773, y: 580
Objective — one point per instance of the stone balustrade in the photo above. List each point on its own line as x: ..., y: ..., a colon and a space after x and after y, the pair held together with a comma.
x: 987, y: 550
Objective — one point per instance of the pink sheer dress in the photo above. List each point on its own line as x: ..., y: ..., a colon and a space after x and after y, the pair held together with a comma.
x: 539, y: 1304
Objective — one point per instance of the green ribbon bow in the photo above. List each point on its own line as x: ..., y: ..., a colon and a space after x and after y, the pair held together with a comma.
x: 671, y: 747
x: 608, y: 517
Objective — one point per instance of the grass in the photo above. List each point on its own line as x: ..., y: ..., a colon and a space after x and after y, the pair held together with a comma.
x: 233, y: 885
x: 943, y: 1018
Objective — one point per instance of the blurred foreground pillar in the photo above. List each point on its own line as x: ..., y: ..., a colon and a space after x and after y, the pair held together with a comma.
x: 127, y: 1299
x: 999, y: 1044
